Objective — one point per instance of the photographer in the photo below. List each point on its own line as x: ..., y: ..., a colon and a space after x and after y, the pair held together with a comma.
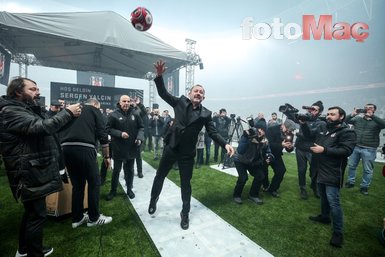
x: 368, y: 127
x: 253, y: 155
x: 157, y: 127
x: 302, y: 145
x: 222, y: 124
x: 280, y: 137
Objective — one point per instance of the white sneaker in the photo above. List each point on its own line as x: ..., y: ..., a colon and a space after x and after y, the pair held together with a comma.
x: 101, y: 221
x: 46, y: 250
x: 82, y: 221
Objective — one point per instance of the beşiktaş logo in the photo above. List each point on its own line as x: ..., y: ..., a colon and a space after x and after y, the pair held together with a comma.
x: 293, y: 31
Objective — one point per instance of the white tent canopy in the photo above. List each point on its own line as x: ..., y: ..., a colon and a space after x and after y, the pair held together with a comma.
x: 86, y: 41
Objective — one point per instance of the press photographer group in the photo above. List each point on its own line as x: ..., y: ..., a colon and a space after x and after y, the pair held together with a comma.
x: 322, y: 143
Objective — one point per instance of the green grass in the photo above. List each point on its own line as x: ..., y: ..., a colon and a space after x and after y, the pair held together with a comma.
x: 280, y: 225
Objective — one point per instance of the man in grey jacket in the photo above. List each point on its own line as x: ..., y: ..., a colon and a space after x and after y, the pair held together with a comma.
x: 30, y: 155
x: 368, y: 127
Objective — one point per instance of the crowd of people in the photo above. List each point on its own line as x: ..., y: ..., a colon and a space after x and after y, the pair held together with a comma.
x: 39, y: 147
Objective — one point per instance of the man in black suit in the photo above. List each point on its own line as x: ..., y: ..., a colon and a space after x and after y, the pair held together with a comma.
x: 180, y: 140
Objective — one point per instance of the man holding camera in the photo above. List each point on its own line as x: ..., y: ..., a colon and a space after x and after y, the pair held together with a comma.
x: 368, y: 127
x: 280, y: 137
x: 222, y: 123
x: 302, y: 145
x: 253, y: 156
x: 157, y: 128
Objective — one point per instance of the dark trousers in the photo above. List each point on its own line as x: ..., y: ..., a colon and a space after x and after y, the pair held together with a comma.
x: 31, y: 228
x: 216, y: 152
x: 138, y: 160
x: 185, y: 163
x: 199, y: 158
x: 82, y: 167
x: 148, y: 142
x: 303, y: 158
x: 208, y: 151
x: 128, y: 169
x: 279, y: 170
x: 256, y: 172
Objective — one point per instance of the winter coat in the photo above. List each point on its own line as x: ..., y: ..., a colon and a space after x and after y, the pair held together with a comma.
x: 29, y: 150
x: 254, y: 153
x: 338, y: 144
x: 367, y: 130
x: 129, y: 122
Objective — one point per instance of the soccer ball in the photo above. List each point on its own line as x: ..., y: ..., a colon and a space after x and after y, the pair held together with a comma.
x: 141, y: 19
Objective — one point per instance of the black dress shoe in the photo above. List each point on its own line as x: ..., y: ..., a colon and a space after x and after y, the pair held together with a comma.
x: 184, y: 223
x: 152, y: 206
x: 140, y: 174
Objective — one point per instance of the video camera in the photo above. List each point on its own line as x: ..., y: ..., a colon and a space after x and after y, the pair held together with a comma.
x: 361, y: 111
x: 287, y: 108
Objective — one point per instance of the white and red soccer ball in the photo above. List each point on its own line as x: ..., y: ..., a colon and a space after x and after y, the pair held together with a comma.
x: 141, y: 19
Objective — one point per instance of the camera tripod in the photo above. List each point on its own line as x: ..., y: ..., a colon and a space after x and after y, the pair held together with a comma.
x: 238, y: 129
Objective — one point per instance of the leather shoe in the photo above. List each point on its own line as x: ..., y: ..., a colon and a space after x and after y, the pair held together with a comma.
x: 337, y: 240
x: 140, y: 174
x: 110, y: 196
x: 320, y: 219
x: 152, y: 206
x: 184, y: 223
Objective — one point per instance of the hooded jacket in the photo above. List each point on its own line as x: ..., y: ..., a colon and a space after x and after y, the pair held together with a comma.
x: 29, y: 150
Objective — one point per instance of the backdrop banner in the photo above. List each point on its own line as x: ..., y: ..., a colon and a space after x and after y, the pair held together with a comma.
x: 95, y: 79
x: 171, y: 80
x: 107, y: 96
x: 5, y: 65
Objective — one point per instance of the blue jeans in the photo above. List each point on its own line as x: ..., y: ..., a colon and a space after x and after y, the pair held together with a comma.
x: 330, y: 205
x: 368, y: 156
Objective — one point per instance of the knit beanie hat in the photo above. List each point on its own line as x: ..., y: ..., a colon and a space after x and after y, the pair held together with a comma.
x: 261, y: 123
x: 320, y: 105
x: 290, y: 125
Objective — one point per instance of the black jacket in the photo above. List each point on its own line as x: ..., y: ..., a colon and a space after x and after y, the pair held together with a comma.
x: 29, y: 150
x: 129, y: 122
x: 339, y: 144
x: 276, y: 137
x: 89, y: 128
x: 185, y: 129
x: 157, y: 126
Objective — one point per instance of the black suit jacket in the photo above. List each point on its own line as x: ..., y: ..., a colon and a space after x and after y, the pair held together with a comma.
x: 183, y: 134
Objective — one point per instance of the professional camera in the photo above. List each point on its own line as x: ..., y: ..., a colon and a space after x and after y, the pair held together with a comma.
x: 308, y: 108
x: 287, y: 108
x: 250, y: 121
x: 361, y: 111
x: 303, y: 116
